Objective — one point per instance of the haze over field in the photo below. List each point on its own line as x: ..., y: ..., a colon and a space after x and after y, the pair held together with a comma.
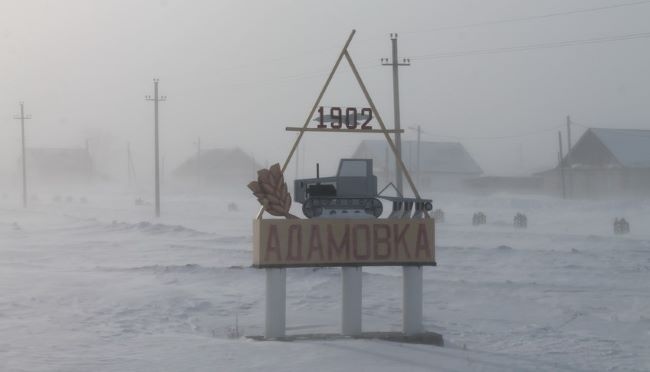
x: 238, y: 72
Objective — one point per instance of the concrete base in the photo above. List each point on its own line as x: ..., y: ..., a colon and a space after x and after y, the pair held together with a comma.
x: 351, y: 284
x: 412, y: 300
x: 424, y: 338
x: 276, y: 303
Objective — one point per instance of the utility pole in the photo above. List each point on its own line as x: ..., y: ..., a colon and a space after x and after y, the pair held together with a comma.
x: 198, y: 161
x: 155, y: 100
x: 298, y: 169
x: 417, y: 164
x: 130, y: 166
x: 22, y: 119
x: 387, y: 166
x: 162, y: 170
x: 394, y: 63
x: 568, y: 153
x: 91, y: 173
x: 568, y: 132
x: 561, y: 165
x: 297, y: 161
x: 411, y: 275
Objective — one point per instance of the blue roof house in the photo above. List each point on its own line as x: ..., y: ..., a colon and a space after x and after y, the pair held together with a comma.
x: 604, y: 163
x: 443, y: 166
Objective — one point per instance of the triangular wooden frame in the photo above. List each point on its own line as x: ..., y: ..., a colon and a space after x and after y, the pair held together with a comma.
x: 344, y: 53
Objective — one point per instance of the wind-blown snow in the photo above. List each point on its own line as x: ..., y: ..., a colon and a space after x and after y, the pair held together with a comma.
x: 103, y: 286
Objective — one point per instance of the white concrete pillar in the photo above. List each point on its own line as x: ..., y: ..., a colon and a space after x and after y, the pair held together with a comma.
x: 351, y: 284
x: 412, y: 300
x: 276, y: 303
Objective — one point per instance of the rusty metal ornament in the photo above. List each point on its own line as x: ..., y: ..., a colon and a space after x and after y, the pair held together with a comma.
x: 271, y: 191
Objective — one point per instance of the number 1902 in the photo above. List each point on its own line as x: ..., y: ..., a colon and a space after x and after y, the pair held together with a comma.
x: 350, y: 119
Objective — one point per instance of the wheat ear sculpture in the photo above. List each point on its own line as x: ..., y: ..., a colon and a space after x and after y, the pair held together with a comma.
x: 271, y: 191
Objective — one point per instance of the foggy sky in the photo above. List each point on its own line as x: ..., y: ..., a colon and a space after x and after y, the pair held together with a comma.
x: 237, y: 72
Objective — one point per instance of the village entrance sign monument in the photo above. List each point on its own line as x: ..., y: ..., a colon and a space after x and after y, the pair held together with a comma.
x: 342, y: 228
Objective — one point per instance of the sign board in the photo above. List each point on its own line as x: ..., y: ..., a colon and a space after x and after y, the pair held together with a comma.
x: 343, y: 242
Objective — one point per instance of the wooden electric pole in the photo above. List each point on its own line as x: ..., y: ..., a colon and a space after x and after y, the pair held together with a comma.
x: 561, y: 164
x: 155, y: 100
x: 568, y: 132
x: 417, y: 164
x: 198, y: 162
x: 22, y: 117
x: 130, y: 166
x: 568, y: 154
x: 395, y: 64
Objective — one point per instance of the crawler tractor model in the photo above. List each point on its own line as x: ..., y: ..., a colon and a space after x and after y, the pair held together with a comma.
x: 352, y: 193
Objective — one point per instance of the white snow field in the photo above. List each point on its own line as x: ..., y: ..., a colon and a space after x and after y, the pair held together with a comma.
x: 103, y: 286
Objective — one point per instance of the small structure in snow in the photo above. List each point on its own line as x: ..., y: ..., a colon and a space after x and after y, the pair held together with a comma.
x: 479, y: 218
x: 520, y: 221
x: 621, y: 226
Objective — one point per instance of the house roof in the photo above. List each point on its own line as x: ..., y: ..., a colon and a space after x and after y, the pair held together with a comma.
x: 631, y: 147
x: 447, y: 157
x: 55, y: 159
x: 217, y: 160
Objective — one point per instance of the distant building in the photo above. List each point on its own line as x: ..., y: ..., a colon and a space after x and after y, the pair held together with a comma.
x: 60, y: 165
x: 443, y: 166
x: 217, y: 167
x: 604, y: 162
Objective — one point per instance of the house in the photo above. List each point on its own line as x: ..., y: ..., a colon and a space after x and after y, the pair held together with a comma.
x: 443, y: 166
x: 217, y: 167
x: 604, y: 163
x: 60, y: 165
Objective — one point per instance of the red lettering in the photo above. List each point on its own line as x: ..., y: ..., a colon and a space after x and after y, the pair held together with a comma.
x: 295, y: 235
x: 384, y: 239
x: 273, y: 244
x: 422, y: 242
x: 315, y: 244
x: 342, y: 248
x: 399, y: 239
x: 355, y: 241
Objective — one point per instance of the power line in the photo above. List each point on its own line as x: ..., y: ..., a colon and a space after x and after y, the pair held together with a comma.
x: 530, y: 18
x: 523, y: 48
x: 527, y: 134
x: 376, y: 36
x: 475, y: 52
x: 307, y: 75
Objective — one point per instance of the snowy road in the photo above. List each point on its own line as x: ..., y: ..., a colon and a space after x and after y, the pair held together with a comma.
x: 102, y: 287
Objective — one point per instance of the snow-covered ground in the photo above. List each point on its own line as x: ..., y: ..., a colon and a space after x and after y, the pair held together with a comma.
x: 103, y: 286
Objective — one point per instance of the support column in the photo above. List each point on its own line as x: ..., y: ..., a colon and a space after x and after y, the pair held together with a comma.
x: 412, y: 300
x: 276, y: 303
x: 351, y: 284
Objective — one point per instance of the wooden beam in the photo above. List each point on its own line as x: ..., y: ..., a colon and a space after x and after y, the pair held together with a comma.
x: 332, y: 130
x: 313, y: 109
